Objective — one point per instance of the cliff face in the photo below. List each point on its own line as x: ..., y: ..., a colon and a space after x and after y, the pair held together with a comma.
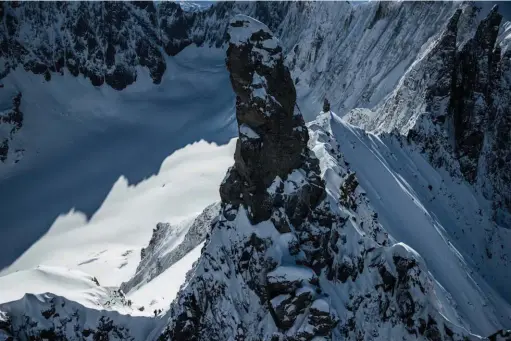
x: 103, y: 41
x: 269, y: 197
x: 273, y: 137
x: 106, y: 41
x: 453, y: 102
x: 11, y: 121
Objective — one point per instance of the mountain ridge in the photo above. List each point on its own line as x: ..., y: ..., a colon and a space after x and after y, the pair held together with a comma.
x: 319, y: 225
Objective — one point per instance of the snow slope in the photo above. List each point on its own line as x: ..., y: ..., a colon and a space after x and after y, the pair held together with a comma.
x: 395, y: 182
x: 94, y: 135
x: 441, y: 223
x: 108, y: 245
x: 76, y: 268
x: 73, y: 284
x: 161, y: 291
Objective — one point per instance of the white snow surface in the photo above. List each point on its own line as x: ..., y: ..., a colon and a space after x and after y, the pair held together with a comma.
x: 246, y: 131
x: 441, y: 224
x: 108, y: 245
x: 439, y: 227
x: 241, y: 35
x: 161, y: 291
x: 394, y: 180
x: 73, y: 284
x: 96, y: 138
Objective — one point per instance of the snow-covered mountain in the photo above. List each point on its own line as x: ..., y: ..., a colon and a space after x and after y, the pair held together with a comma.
x: 453, y: 106
x: 110, y: 42
x: 374, y: 226
x: 152, y: 54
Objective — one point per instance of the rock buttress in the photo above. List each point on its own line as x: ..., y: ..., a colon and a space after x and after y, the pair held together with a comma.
x: 273, y: 138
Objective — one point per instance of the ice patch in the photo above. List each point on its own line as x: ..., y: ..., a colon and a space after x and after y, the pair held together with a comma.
x: 246, y: 131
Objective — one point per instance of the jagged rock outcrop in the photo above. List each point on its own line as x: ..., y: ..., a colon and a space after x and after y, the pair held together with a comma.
x: 501, y: 335
x: 274, y: 187
x: 453, y: 103
x: 49, y: 317
x: 109, y: 43
x: 295, y: 264
x: 289, y: 256
x: 5, y: 327
x: 326, y: 105
x: 273, y: 137
x: 105, y: 41
x: 471, y: 98
x: 161, y: 252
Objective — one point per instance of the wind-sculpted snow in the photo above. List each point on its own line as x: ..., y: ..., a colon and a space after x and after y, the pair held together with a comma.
x: 440, y: 218
x: 453, y: 106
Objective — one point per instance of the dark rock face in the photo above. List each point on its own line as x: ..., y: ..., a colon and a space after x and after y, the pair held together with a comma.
x: 471, y: 99
x: 12, y: 119
x: 5, y: 327
x: 466, y: 98
x: 501, y: 335
x: 106, y: 41
x: 272, y: 149
x: 498, y: 153
x: 326, y: 105
x: 61, y: 319
x: 274, y: 182
x: 287, y: 308
x: 278, y: 241
x: 103, y: 41
x: 156, y: 258
x: 273, y: 139
x: 479, y: 110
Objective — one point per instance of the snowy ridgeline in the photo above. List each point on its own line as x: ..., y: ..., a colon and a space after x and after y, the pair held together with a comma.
x: 363, y: 56
x: 439, y: 110
x: 376, y: 182
x: 406, y: 255
x: 354, y: 54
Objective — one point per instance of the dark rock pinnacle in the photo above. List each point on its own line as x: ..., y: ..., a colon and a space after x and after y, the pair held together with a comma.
x: 273, y: 137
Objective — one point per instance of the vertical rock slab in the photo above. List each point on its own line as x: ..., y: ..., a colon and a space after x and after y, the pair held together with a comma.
x: 273, y: 138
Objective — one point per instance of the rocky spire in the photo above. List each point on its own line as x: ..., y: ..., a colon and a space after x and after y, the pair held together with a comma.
x: 273, y: 187
x: 273, y: 138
